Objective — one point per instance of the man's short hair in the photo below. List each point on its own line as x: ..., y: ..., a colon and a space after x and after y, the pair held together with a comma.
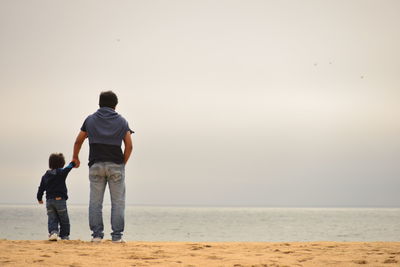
x: 56, y: 161
x: 108, y: 99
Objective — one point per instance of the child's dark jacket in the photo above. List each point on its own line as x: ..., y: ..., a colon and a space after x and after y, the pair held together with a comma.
x: 53, y: 182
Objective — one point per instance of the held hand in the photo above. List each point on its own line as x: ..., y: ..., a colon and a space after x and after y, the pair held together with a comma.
x: 40, y: 201
x: 77, y: 162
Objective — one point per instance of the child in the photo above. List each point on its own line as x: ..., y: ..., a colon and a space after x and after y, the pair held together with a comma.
x: 53, y: 182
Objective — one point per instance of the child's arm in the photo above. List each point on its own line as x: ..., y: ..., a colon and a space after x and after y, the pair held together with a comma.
x: 40, y: 192
x: 67, y: 169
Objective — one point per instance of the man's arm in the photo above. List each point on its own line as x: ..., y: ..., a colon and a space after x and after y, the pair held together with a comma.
x: 128, y: 146
x: 77, y: 147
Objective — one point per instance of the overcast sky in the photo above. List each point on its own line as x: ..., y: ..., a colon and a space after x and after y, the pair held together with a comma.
x: 275, y: 103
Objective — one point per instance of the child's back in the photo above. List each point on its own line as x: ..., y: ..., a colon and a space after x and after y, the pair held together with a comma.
x: 53, y: 183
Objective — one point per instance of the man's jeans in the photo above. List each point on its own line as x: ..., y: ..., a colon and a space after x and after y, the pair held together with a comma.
x: 58, y: 215
x: 100, y: 174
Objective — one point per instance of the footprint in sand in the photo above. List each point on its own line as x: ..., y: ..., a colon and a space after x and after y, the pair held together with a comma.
x: 390, y: 261
x: 214, y: 258
x: 198, y: 247
x: 133, y: 257
x: 360, y: 261
x: 148, y: 258
x: 305, y: 259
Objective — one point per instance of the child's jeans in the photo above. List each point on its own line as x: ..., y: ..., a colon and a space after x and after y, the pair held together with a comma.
x: 58, y: 215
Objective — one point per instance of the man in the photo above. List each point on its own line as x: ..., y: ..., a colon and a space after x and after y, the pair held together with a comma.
x: 106, y: 130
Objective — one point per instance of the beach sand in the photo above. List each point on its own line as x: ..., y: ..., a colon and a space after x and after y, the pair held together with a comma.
x: 76, y: 253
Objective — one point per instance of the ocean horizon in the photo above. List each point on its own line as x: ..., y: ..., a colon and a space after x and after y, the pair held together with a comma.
x: 215, y: 224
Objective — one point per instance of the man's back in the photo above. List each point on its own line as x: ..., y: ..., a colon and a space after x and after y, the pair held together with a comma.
x: 105, y: 126
x: 105, y: 130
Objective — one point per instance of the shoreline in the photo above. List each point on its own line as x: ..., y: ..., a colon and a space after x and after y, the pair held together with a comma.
x: 77, y: 253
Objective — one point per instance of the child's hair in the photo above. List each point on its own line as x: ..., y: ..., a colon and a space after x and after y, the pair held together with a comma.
x: 56, y: 161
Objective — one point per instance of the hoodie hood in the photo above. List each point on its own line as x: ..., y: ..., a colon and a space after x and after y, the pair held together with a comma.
x: 52, y: 172
x: 105, y: 126
x: 106, y: 113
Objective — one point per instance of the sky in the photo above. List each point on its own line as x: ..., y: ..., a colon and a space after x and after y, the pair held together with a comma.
x: 233, y: 103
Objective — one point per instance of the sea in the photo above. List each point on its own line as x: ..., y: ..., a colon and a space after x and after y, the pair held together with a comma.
x: 215, y: 224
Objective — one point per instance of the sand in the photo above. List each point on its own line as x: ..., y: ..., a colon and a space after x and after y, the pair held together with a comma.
x: 76, y: 253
